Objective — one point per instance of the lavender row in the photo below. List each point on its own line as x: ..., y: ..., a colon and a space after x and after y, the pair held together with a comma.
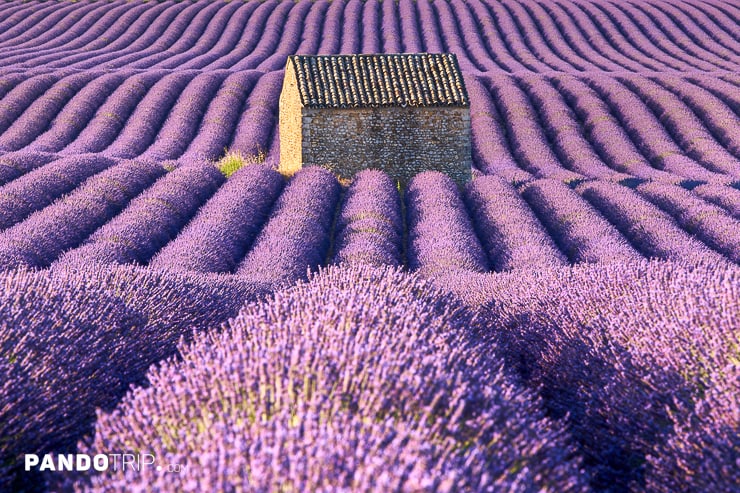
x: 511, y: 234
x: 75, y: 341
x: 142, y: 33
x: 225, y: 227
x: 184, y: 119
x: 46, y: 234
x: 113, y: 115
x: 648, y: 132
x: 440, y: 234
x: 296, y: 237
x: 258, y: 118
x: 726, y: 197
x: 40, y: 187
x: 16, y: 164
x: 651, y: 231
x: 143, y: 125
x: 564, y: 132
x: 74, y: 116
x: 337, y: 392
x: 607, y: 135
x: 369, y: 227
x: 685, y: 127
x: 709, y: 223
x: 579, y: 230
x: 66, y: 36
x: 151, y: 220
x: 487, y: 36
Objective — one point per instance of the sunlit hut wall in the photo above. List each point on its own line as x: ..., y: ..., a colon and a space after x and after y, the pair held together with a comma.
x: 403, y: 114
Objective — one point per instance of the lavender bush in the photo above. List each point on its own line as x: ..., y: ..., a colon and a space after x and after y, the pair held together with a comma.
x: 334, y: 401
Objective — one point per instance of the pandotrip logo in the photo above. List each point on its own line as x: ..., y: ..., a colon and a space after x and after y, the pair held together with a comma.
x: 98, y: 462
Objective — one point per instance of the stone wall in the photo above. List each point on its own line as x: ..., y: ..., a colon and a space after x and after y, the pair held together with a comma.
x: 290, y: 124
x: 400, y: 141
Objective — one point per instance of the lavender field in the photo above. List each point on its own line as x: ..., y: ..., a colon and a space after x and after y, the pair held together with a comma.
x: 569, y: 320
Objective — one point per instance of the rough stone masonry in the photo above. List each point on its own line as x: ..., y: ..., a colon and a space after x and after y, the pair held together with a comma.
x: 402, y: 114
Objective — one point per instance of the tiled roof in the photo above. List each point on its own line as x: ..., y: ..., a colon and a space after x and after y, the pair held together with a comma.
x: 354, y: 81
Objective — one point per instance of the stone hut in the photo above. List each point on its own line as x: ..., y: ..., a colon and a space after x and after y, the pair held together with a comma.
x: 402, y: 114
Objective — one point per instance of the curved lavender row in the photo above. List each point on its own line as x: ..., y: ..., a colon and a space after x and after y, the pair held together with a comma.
x: 66, y: 38
x: 677, y: 41
x: 202, y: 42
x: 10, y: 80
x: 181, y: 35
x: 226, y: 43
x: 648, y: 132
x: 352, y: 27
x: 225, y: 227
x: 429, y: 26
x: 709, y: 223
x: 139, y: 35
x: 100, y: 329
x: 301, y: 34
x: 142, y: 127
x: 685, y: 126
x: 338, y: 393
x: 151, y: 219
x: 259, y: 117
x: 111, y: 117
x: 709, y: 38
x: 296, y: 236
x: 575, y: 226
x: 184, y: 119
x: 587, y: 43
x: 271, y: 35
x: 556, y: 39
x: 331, y: 30
x: 36, y: 23
x: 440, y: 234
x: 712, y: 25
x: 16, y: 164
x: 606, y: 134
x: 726, y: 197
x: 529, y: 144
x: 12, y: 13
x: 630, y: 351
x: 725, y: 91
x: 650, y: 231
x: 455, y: 40
x: 76, y: 114
x: 475, y: 38
x: 250, y: 36
x: 20, y: 97
x: 611, y: 49
x: 409, y: 26
x: 535, y: 43
x: 369, y: 227
x: 651, y: 43
x: 511, y: 234
x: 221, y: 117
x: 370, y: 25
x: 720, y: 120
x: 36, y: 118
x: 39, y: 188
x: 564, y: 131
x: 46, y: 234
x: 96, y: 39
x: 624, y: 41
x: 495, y: 44
x: 721, y: 19
x: 389, y: 28
x: 159, y: 35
